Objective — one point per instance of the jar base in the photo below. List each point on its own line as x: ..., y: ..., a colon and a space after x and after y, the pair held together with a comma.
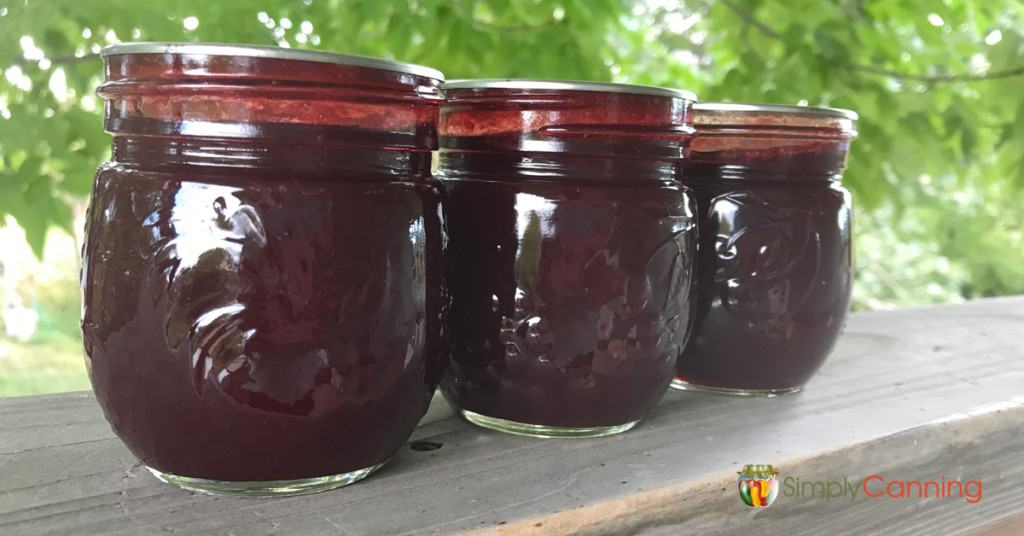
x: 264, y: 488
x: 541, y: 430
x: 683, y: 385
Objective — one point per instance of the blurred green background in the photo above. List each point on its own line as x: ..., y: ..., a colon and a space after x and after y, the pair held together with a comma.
x: 937, y: 173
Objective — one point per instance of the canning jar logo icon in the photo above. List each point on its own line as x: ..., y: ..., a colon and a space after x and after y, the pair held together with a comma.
x: 759, y: 485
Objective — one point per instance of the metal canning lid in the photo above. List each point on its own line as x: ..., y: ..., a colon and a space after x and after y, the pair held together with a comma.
x: 570, y: 85
x: 758, y: 470
x: 256, y: 51
x: 838, y: 113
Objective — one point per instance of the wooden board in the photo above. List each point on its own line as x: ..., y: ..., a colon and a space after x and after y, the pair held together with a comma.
x: 914, y: 394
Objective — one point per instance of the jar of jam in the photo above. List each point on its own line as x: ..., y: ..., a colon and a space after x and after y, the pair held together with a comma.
x: 263, y: 288
x: 774, y: 264
x: 571, y: 251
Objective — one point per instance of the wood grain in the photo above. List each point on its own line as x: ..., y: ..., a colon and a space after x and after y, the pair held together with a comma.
x: 913, y: 394
x: 1008, y: 526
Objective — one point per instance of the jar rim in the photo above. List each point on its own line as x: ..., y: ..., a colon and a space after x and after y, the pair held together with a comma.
x: 271, y: 52
x: 840, y: 113
x: 568, y: 85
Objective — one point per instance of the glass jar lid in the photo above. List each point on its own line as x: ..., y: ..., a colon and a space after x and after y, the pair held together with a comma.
x: 255, y: 51
x: 741, y: 115
x: 570, y: 85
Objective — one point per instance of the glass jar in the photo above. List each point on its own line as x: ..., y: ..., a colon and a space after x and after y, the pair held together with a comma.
x: 263, y: 290
x: 774, y: 264
x: 570, y: 253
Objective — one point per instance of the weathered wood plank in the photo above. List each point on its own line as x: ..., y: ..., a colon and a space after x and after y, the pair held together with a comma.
x: 1011, y: 525
x: 881, y: 405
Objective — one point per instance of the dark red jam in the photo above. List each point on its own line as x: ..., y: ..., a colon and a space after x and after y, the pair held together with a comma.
x: 263, y: 274
x: 570, y: 254
x: 774, y: 264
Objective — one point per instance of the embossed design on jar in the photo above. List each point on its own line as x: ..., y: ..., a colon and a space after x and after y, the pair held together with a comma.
x: 767, y: 260
x: 632, y: 323
x: 676, y: 319
x: 266, y: 362
x: 201, y: 266
x: 639, y: 323
x: 526, y: 334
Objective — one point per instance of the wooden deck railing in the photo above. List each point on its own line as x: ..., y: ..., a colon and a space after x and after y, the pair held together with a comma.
x: 917, y: 394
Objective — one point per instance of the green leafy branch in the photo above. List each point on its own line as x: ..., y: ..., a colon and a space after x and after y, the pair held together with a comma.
x: 748, y: 17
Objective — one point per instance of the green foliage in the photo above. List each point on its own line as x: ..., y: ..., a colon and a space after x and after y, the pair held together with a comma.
x: 937, y: 174
x: 52, y: 363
